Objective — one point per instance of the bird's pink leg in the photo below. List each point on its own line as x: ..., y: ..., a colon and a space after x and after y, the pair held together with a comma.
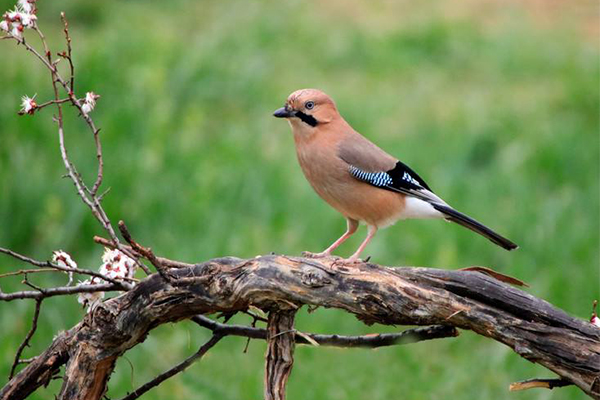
x: 372, y: 232
x: 352, y: 227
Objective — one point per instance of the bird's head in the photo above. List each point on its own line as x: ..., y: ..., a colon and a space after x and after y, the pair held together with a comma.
x: 307, y: 109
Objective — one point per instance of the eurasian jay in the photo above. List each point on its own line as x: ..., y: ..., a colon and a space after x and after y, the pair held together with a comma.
x: 357, y: 178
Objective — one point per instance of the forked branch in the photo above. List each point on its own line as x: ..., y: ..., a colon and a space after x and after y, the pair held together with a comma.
x: 470, y: 300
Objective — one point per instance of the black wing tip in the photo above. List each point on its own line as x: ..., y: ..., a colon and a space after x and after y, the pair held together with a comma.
x: 501, y: 241
x: 498, y: 240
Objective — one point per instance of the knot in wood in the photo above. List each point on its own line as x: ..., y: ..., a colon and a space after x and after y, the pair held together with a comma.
x: 314, y: 277
x: 523, y: 350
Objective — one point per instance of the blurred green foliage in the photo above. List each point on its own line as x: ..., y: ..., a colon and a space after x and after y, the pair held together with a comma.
x: 495, y: 104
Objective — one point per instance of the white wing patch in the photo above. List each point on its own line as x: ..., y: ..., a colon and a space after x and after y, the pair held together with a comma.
x: 415, y: 208
x: 406, y: 176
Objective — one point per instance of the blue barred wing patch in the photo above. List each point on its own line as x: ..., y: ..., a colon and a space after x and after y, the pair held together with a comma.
x: 379, y: 179
x: 400, y: 178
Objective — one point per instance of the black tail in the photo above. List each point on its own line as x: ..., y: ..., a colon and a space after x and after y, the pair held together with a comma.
x: 470, y: 223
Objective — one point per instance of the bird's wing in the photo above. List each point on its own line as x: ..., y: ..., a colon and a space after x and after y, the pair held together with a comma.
x: 370, y: 164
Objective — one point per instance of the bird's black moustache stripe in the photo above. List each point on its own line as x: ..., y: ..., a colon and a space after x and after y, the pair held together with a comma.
x: 309, y: 119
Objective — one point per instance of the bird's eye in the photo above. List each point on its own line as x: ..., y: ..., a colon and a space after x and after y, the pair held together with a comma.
x: 309, y: 105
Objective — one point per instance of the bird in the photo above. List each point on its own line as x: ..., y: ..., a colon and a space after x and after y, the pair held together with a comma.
x: 359, y: 179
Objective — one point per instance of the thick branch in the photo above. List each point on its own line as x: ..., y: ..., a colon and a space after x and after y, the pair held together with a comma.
x: 470, y: 300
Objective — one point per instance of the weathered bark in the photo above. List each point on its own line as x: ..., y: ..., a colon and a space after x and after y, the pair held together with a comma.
x: 470, y: 300
x: 280, y: 353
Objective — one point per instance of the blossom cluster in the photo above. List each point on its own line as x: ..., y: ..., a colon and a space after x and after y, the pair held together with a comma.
x: 16, y: 21
x: 115, y: 265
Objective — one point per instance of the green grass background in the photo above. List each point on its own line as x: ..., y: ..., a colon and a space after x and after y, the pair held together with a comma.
x: 494, y: 103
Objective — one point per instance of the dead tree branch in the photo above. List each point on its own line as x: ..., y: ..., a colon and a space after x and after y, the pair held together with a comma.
x: 533, y: 328
x: 539, y: 383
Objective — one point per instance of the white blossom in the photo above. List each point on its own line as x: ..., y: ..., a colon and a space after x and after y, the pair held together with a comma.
x: 90, y: 102
x: 595, y: 321
x: 27, y: 6
x: 28, y: 20
x: 64, y: 260
x: 17, y: 30
x: 15, y: 21
x: 28, y: 106
x: 14, y: 15
x: 117, y: 265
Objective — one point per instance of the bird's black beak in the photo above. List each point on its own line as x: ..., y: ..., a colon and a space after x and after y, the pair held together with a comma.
x: 284, y: 112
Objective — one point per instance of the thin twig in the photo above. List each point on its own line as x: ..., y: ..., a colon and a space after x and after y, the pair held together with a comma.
x: 255, y: 317
x: 42, y: 293
x: 25, y: 343
x: 68, y: 54
x: 368, y: 341
x: 176, y: 369
x: 27, y: 271
x: 40, y: 106
x: 24, y: 258
x: 146, y: 252
x: 93, y: 203
x: 253, y: 325
x: 164, y: 261
x: 32, y: 285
